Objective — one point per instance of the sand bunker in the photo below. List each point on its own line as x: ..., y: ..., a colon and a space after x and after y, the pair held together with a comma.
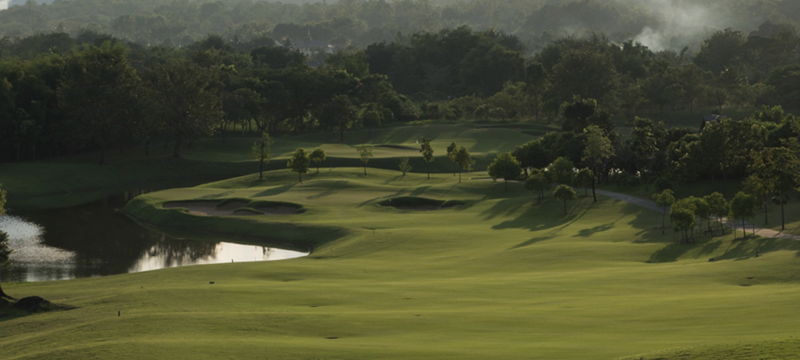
x: 210, y: 208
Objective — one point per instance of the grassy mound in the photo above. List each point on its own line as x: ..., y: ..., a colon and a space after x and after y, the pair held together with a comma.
x: 27, y: 306
x: 235, y: 206
x: 419, y: 203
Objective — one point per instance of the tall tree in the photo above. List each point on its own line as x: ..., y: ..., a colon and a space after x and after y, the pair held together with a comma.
x: 505, y: 166
x: 743, y: 206
x: 365, y: 153
x: 702, y: 210
x: 451, y: 154
x: 775, y: 171
x: 532, y: 154
x: 665, y: 199
x: 317, y: 156
x: 719, y: 207
x: 644, y: 144
x: 262, y: 151
x: 464, y: 160
x: 564, y: 193
x: 584, y: 72
x: 427, y: 153
x: 371, y: 119
x: 404, y: 166
x: 299, y: 163
x: 537, y: 181
x: 339, y: 114
x: 597, y: 153
x: 562, y: 171
x: 102, y: 94
x: 184, y: 101
x: 682, y: 216
x: 584, y: 179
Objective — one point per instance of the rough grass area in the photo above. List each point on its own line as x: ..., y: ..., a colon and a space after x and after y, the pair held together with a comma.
x: 499, y: 277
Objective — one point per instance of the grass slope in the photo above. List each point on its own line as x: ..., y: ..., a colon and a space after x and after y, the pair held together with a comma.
x: 498, y: 277
x: 75, y: 180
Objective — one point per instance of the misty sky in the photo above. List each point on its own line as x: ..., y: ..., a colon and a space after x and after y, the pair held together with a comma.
x: 4, y: 4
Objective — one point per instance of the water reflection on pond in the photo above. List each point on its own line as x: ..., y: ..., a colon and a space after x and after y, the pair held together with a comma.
x: 96, y: 240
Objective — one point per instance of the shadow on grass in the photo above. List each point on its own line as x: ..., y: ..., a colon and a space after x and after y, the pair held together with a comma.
x: 332, y: 189
x: 537, y: 217
x: 738, y: 249
x: 419, y: 190
x: 13, y: 310
x: 216, y: 196
x: 276, y: 190
x: 532, y: 241
x: 591, y: 231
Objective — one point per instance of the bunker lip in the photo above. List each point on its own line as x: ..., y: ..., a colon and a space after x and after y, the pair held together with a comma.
x: 233, y: 208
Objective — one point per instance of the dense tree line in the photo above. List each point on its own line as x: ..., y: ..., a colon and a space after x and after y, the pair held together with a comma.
x: 62, y: 95
x: 763, y: 149
x: 104, y: 94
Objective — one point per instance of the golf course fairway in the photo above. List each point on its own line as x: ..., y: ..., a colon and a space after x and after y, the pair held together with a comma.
x: 496, y: 276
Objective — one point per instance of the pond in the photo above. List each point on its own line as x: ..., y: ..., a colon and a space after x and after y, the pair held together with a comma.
x: 97, y: 240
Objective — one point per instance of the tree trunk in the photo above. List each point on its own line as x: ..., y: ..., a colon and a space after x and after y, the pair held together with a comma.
x: 594, y: 195
x: 365, y: 169
x: 663, y: 220
x: 459, y: 177
x: 3, y: 295
x: 176, y: 151
x: 744, y: 230
x: 783, y: 221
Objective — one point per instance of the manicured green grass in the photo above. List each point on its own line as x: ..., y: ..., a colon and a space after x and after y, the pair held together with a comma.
x: 79, y: 179
x: 498, y: 277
